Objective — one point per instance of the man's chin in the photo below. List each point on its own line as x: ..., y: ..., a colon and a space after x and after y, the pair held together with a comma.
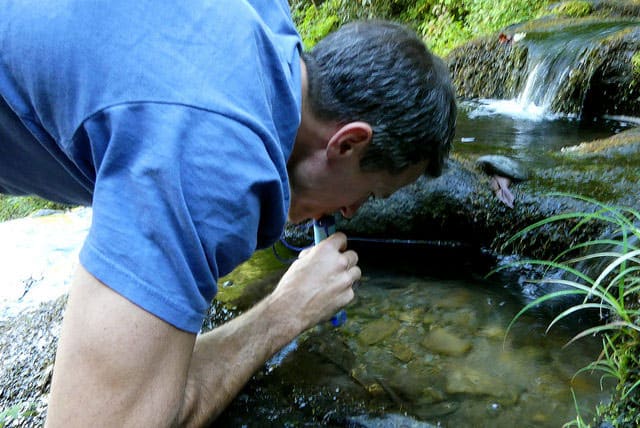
x: 294, y: 218
x: 297, y: 222
x: 298, y: 214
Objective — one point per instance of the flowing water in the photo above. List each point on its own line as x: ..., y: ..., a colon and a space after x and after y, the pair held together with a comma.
x: 37, y: 258
x: 554, y: 56
x: 528, y: 133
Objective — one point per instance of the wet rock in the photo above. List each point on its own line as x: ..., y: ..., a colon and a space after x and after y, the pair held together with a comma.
x: 470, y: 381
x: 441, y: 341
x: 460, y: 207
x: 486, y: 68
x: 27, y: 350
x: 402, y: 352
x: 377, y: 331
x: 504, y: 166
x: 626, y: 143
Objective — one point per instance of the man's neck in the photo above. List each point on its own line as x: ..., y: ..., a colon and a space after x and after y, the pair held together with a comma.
x: 313, y: 133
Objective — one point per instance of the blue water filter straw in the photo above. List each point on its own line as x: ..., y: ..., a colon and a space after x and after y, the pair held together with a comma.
x: 322, y: 228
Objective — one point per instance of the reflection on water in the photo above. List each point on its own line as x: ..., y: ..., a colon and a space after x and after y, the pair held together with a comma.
x: 432, y: 350
x: 504, y: 127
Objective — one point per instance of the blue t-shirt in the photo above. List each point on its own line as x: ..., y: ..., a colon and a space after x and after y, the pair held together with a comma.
x: 173, y: 119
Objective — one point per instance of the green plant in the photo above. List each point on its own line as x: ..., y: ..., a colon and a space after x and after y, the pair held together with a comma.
x: 315, y: 22
x: 21, y: 206
x: 605, y: 272
x: 444, y: 24
x: 578, y: 421
x: 635, y: 63
x: 16, y: 413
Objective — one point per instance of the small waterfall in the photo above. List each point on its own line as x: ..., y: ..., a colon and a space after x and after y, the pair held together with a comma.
x: 554, y: 58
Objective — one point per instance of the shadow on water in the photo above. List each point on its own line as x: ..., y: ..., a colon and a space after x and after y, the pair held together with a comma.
x: 426, y: 343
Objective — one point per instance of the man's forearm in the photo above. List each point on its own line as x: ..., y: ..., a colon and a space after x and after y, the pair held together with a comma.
x: 313, y: 289
x: 119, y: 365
x: 225, y: 358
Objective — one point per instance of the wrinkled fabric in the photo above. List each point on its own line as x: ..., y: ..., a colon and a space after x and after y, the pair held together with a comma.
x: 174, y: 120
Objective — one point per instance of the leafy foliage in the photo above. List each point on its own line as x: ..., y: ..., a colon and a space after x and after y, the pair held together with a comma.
x: 443, y: 23
x: 16, y: 414
x: 635, y: 63
x: 21, y: 206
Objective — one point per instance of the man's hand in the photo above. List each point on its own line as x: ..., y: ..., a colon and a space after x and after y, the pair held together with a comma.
x: 320, y: 282
x: 118, y: 365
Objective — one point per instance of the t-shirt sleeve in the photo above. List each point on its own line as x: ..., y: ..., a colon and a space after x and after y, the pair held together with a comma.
x: 181, y: 197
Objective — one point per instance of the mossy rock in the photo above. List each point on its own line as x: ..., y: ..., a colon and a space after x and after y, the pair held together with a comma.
x: 574, y: 9
x: 601, y: 81
x: 487, y: 68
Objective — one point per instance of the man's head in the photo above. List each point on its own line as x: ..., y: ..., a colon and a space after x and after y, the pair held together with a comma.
x: 389, y: 103
x: 381, y: 73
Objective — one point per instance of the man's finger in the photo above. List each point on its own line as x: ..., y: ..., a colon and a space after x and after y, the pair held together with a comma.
x: 304, y: 252
x: 339, y: 240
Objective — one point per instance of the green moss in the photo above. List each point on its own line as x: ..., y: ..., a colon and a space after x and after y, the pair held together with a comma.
x: 21, y: 206
x: 252, y: 280
x: 574, y: 9
x: 635, y: 64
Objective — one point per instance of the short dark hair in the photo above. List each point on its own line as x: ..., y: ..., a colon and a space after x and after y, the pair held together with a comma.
x: 381, y: 73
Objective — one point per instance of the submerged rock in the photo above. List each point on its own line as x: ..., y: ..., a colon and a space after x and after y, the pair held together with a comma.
x: 443, y: 342
x: 475, y: 382
x: 378, y: 330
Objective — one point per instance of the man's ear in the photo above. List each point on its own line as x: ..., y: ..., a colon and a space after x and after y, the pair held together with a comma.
x: 350, y: 139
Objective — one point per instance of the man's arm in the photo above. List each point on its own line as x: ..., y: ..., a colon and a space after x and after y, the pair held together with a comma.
x: 118, y: 365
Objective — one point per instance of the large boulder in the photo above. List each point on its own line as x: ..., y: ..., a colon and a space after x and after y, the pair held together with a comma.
x: 459, y: 208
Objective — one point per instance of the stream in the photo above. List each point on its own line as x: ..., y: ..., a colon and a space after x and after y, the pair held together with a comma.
x: 426, y: 343
x: 427, y: 340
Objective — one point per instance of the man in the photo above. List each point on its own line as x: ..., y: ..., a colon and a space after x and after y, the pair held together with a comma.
x: 193, y: 129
